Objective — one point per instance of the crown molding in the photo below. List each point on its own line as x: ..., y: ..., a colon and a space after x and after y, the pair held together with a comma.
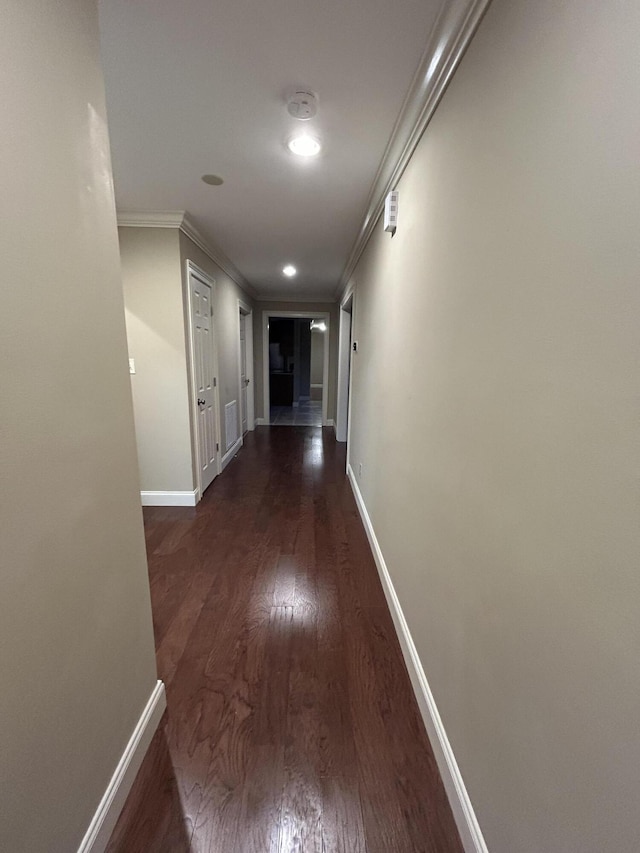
x: 324, y: 300
x: 453, y: 30
x: 150, y: 219
x: 217, y: 256
x: 180, y: 219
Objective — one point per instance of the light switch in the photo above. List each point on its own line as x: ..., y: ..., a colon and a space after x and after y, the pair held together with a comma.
x: 132, y: 366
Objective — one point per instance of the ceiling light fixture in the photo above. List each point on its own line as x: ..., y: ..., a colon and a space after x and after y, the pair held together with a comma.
x: 289, y: 270
x: 304, y: 145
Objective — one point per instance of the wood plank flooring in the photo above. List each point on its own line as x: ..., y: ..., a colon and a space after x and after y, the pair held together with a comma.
x: 291, y: 724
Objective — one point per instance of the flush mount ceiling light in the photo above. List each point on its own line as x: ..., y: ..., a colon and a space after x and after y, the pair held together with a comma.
x: 304, y: 145
x: 289, y: 271
x: 213, y: 180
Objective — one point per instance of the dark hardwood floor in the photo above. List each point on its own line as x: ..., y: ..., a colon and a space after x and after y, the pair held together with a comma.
x: 291, y: 724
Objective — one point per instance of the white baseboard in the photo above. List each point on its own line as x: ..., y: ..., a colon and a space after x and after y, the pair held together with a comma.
x: 260, y: 422
x: 330, y: 423
x: 466, y: 821
x: 231, y: 452
x: 169, y: 498
x: 104, y: 820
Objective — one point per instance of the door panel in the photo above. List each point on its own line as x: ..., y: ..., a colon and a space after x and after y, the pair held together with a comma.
x: 243, y: 372
x: 203, y: 367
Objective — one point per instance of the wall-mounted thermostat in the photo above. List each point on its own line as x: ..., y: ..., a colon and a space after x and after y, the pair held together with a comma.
x: 391, y: 211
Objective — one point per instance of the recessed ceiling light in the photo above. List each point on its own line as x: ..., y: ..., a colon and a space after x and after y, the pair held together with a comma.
x: 304, y: 145
x: 289, y: 270
x: 212, y: 180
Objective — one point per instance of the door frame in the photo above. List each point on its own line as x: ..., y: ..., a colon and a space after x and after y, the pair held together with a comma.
x: 198, y: 272
x: 345, y: 335
x: 294, y: 315
x: 247, y: 310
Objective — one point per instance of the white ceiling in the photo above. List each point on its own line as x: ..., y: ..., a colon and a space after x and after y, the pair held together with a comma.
x: 197, y: 87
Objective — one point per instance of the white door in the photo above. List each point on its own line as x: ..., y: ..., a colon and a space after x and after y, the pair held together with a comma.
x: 243, y: 372
x: 204, y: 378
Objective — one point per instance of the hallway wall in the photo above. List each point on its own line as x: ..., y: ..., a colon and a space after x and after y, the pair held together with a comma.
x: 156, y: 337
x: 495, y: 414
x: 330, y: 307
x: 154, y: 281
x: 77, y: 661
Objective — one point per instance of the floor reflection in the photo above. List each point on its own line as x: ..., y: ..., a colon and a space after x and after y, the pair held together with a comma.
x: 155, y: 819
x: 291, y: 722
x: 308, y: 413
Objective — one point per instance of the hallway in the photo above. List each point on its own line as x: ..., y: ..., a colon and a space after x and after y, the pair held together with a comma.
x: 291, y: 722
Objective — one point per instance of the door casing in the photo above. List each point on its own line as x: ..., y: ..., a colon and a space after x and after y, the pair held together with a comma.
x: 247, y: 311
x: 294, y: 315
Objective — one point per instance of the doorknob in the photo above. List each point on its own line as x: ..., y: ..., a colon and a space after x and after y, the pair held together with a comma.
x: 201, y: 402
x: 247, y: 381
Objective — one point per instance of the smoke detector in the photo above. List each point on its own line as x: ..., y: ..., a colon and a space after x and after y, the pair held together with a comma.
x: 302, y: 104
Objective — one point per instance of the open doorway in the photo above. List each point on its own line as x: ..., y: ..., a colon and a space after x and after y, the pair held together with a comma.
x: 296, y: 358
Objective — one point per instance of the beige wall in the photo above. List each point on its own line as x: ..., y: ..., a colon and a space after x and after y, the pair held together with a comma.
x: 331, y: 308
x: 154, y: 277
x: 500, y: 328
x: 76, y: 644
x: 157, y: 342
x: 317, y: 356
x: 227, y: 323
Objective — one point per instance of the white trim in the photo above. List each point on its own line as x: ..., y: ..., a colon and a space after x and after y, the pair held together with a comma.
x: 231, y: 452
x: 351, y: 293
x: 330, y: 423
x: 294, y: 315
x: 217, y: 256
x: 150, y: 218
x: 451, y: 34
x: 347, y: 294
x: 104, y: 820
x: 180, y: 219
x: 260, y: 422
x: 345, y: 335
x: 170, y: 498
x: 466, y: 821
x: 297, y: 297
